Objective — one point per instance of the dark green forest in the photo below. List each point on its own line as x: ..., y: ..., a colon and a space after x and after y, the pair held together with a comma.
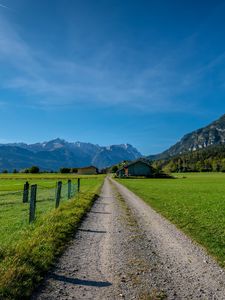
x: 210, y: 159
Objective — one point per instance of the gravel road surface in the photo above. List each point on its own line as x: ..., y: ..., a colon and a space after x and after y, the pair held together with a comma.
x: 125, y: 250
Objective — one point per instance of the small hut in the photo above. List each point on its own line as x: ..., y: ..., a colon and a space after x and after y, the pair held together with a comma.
x: 138, y: 167
x: 90, y: 170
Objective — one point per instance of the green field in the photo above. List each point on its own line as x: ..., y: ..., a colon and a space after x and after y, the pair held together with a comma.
x: 195, y: 202
x: 27, y: 251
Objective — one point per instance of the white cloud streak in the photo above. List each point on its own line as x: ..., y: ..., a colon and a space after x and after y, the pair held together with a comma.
x: 4, y: 6
x: 56, y: 81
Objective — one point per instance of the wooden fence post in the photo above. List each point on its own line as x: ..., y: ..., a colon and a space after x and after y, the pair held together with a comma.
x: 33, y: 197
x: 78, y: 185
x: 58, y: 194
x: 69, y: 188
x: 25, y: 192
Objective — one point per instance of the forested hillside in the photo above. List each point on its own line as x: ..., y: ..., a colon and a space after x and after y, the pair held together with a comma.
x: 211, y: 135
x: 205, y: 160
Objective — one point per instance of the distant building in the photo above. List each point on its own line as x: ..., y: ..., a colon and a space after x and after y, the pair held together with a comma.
x: 138, y: 167
x: 90, y: 170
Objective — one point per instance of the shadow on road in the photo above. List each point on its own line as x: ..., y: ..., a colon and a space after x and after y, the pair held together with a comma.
x: 100, y: 212
x: 80, y: 281
x: 93, y: 231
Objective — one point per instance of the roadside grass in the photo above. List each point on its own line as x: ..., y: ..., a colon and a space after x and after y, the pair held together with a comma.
x: 24, y: 176
x: 14, y: 214
x: 28, y: 251
x: 195, y: 202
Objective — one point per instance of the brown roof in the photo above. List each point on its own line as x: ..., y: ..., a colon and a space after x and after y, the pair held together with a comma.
x: 89, y: 167
x: 146, y: 162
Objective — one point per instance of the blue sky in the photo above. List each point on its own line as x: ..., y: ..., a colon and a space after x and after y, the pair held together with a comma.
x: 110, y: 71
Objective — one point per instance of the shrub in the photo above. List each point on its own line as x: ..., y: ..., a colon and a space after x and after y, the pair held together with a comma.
x: 34, y: 169
x: 65, y: 170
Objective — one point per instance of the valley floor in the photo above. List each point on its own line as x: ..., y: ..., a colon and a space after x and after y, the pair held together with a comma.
x: 125, y: 250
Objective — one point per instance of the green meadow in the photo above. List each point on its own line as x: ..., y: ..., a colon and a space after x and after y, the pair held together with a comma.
x: 195, y: 202
x: 28, y: 250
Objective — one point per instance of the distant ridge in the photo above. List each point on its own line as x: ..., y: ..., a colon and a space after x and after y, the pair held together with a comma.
x: 57, y: 153
x: 211, y: 135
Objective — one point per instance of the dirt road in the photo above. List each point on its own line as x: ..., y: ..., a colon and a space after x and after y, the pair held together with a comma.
x: 125, y: 250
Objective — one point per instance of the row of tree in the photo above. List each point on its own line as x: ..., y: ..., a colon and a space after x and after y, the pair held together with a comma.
x: 33, y: 169
x: 36, y: 169
x: 68, y: 170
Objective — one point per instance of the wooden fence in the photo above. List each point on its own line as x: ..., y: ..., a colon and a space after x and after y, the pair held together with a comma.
x: 71, y: 190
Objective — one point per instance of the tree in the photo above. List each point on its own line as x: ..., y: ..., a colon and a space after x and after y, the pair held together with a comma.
x: 65, y: 170
x: 34, y: 169
x: 15, y: 171
x: 5, y: 171
x: 114, y: 169
x: 222, y: 168
x: 215, y: 165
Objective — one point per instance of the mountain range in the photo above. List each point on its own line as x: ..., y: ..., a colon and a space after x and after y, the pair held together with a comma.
x: 58, y: 153
x: 211, y: 135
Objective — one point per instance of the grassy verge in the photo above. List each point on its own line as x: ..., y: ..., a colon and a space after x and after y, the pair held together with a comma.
x: 23, y: 264
x: 14, y: 214
x: 43, y: 176
x: 194, y: 202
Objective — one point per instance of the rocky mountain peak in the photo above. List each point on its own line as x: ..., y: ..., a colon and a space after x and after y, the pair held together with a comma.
x: 56, y: 153
x: 212, y: 134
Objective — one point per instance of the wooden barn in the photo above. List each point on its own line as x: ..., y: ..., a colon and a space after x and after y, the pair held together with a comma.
x: 90, y: 170
x: 136, y: 168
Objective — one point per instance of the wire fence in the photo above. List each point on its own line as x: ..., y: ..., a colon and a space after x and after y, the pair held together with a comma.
x: 36, y: 199
x: 28, y: 202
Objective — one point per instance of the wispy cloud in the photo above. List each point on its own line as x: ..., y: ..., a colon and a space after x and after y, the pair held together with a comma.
x: 55, y: 81
x: 4, y: 6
